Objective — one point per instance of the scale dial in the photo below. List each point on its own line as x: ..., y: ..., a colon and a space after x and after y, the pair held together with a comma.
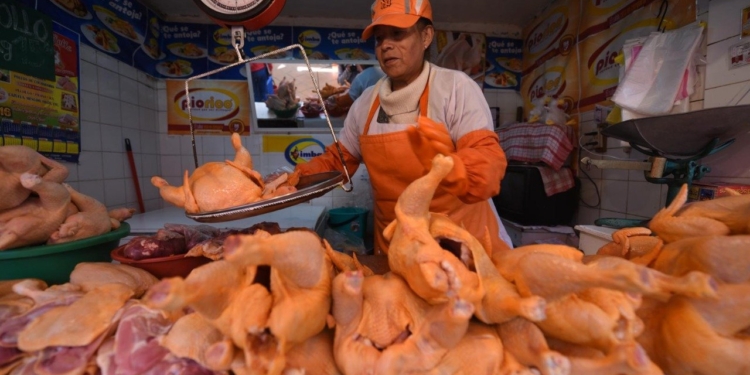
x: 252, y: 14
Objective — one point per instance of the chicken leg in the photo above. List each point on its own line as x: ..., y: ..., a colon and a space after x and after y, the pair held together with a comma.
x: 501, y: 301
x: 693, y: 335
x: 723, y: 257
x: 624, y: 359
x: 527, y: 344
x: 662, y: 286
x: 17, y: 160
x: 442, y: 330
x: 480, y: 352
x: 432, y: 272
x: 92, y: 220
x: 552, y: 277
x: 220, y: 292
x: 577, y: 321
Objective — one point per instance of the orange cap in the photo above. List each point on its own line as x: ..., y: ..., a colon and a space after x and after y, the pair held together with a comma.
x: 398, y: 13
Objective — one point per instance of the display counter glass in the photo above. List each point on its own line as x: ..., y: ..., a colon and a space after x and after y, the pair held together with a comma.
x: 328, y: 75
x: 266, y: 120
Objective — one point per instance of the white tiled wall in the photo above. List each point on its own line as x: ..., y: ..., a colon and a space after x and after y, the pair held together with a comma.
x: 627, y: 194
x: 726, y: 86
x: 117, y: 102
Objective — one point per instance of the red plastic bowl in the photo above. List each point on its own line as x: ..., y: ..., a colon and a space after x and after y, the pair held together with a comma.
x: 171, y: 266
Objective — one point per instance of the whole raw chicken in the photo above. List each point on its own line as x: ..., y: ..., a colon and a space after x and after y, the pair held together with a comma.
x: 382, y: 327
x: 415, y: 255
x: 92, y: 219
x: 216, y: 185
x: 36, y: 218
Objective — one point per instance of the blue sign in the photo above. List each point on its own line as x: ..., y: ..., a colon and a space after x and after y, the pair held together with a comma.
x: 185, y: 47
x: 504, y: 56
x: 334, y: 44
x: 117, y: 27
x: 130, y: 32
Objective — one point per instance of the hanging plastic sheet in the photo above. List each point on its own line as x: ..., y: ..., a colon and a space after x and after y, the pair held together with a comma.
x: 661, y: 71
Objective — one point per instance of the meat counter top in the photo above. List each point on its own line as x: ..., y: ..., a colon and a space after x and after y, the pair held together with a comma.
x: 306, y: 216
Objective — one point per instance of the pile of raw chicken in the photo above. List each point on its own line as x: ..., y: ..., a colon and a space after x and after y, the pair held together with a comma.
x: 217, y: 186
x: 675, y: 303
x: 36, y: 207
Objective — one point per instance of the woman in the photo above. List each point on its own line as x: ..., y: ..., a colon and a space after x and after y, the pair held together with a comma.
x: 419, y: 110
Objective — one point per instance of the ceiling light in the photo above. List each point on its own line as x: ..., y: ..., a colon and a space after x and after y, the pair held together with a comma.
x: 316, y: 69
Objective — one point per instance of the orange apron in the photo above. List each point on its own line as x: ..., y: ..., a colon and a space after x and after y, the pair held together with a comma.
x: 392, y: 166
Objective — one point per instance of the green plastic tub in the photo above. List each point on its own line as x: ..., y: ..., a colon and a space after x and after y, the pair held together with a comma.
x: 54, y: 263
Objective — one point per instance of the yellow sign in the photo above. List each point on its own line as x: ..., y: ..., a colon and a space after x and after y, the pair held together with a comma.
x: 551, y: 48
x: 295, y: 149
x: 217, y: 107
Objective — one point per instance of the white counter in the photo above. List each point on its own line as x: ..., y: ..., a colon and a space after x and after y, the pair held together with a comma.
x: 305, y: 216
x: 593, y: 237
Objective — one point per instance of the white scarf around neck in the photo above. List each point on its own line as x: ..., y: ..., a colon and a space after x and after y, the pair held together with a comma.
x: 402, y: 106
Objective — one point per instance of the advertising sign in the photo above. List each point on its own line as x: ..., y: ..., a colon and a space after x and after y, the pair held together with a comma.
x: 116, y: 27
x: 296, y: 149
x: 185, y: 50
x: 550, y: 43
x: 551, y: 34
x: 218, y: 107
x: 45, y: 114
x: 460, y: 51
x: 557, y: 78
x: 504, y: 64
x: 268, y: 39
x: 334, y: 44
x: 601, y: 15
x: 26, y: 40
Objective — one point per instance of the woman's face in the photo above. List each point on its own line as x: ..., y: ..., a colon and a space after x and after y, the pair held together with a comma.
x: 401, y: 52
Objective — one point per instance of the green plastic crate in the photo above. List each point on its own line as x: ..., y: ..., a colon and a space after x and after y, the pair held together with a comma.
x: 54, y: 263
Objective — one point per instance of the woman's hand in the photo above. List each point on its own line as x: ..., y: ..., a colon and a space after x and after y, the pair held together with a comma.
x: 430, y: 138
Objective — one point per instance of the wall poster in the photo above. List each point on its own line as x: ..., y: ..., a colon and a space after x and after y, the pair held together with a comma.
x: 553, y: 42
x: 45, y: 114
x: 504, y: 64
x: 292, y: 149
x: 218, y: 107
x: 460, y: 51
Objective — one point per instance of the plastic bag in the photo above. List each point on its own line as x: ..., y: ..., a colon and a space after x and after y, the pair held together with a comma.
x: 653, y: 82
x: 344, y: 242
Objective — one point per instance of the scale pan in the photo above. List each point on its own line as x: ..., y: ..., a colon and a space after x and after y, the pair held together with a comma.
x: 684, y: 134
x: 309, y: 187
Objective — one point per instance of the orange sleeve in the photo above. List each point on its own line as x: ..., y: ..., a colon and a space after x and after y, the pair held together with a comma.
x: 478, y: 167
x: 329, y: 161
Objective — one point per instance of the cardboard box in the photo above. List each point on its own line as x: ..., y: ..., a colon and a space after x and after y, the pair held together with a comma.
x: 702, y: 191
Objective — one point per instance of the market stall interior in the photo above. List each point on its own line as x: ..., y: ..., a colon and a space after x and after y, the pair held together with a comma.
x: 153, y: 218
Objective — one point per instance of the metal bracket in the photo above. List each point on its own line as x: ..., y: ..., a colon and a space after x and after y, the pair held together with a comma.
x: 654, y: 167
x: 238, y: 36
